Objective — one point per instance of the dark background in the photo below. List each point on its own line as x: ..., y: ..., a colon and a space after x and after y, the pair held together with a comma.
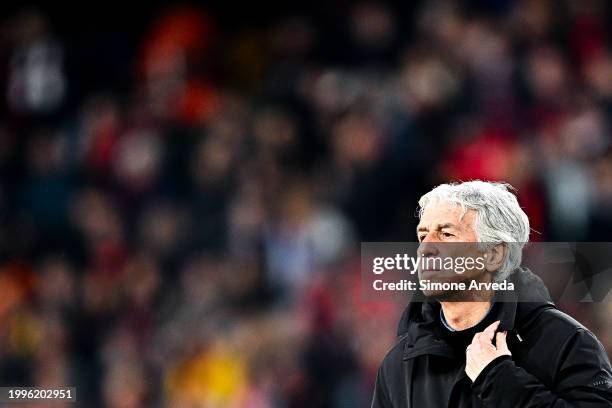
x: 183, y: 188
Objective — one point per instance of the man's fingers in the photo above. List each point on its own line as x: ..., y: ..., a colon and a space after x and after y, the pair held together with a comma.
x: 489, y: 332
x: 486, y: 336
x: 500, y: 341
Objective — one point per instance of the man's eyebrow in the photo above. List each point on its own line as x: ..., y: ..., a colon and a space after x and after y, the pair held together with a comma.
x: 421, y: 228
x: 446, y: 225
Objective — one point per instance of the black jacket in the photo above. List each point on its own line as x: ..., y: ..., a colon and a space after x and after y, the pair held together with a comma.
x: 555, y: 362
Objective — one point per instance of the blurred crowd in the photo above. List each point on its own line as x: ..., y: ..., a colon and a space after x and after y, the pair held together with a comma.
x: 190, y: 237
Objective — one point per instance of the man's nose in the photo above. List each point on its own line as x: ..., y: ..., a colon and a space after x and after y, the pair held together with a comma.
x: 428, y: 247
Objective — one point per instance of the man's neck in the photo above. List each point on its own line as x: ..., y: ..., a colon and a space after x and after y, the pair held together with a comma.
x: 463, y: 315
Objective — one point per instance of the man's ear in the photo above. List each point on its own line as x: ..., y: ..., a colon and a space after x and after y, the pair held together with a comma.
x: 495, y: 257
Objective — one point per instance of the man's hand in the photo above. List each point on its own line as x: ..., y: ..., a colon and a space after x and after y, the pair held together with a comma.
x: 482, y: 351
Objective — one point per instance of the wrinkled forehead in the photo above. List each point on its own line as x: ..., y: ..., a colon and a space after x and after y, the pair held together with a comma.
x: 445, y: 212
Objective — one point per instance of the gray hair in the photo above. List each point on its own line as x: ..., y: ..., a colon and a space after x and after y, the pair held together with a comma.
x: 499, y: 219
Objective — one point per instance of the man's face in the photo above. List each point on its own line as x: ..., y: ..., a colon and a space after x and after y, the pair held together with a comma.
x: 444, y: 233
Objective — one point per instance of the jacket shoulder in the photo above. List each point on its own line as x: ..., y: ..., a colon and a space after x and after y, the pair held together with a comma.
x: 552, y: 340
x: 389, y: 376
x: 574, y: 331
x: 553, y: 320
x: 393, y: 358
x: 552, y: 331
x: 563, y: 327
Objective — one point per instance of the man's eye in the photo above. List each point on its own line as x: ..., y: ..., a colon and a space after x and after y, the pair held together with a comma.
x: 447, y: 234
x: 422, y: 237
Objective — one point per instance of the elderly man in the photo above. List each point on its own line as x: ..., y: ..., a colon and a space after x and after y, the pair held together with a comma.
x: 460, y: 352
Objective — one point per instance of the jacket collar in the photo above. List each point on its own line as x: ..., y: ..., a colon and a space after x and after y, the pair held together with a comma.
x: 420, y: 327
